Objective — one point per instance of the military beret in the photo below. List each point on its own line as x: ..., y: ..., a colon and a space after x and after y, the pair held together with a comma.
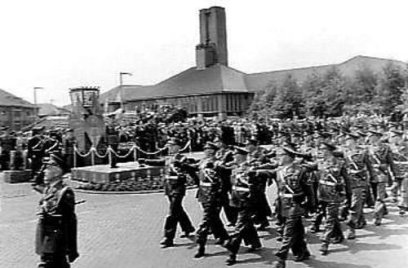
x: 239, y: 150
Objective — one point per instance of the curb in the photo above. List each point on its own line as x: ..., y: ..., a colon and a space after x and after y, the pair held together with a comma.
x: 125, y: 192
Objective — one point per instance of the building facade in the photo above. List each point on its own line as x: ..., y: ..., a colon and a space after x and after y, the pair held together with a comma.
x: 15, y: 113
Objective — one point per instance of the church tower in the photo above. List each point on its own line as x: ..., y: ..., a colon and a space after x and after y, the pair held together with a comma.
x: 213, y: 38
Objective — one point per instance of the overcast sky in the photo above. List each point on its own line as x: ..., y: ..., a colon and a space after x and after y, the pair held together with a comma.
x: 62, y: 44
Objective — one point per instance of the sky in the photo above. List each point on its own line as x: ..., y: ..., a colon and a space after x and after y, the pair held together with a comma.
x: 63, y: 44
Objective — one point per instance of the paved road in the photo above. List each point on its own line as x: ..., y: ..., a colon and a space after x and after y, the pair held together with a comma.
x: 123, y: 231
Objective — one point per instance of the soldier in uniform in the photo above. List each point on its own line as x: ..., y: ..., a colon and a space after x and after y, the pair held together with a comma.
x: 35, y: 152
x: 400, y: 155
x: 333, y: 189
x: 225, y: 155
x: 209, y: 194
x: 242, y: 197
x: 56, y: 235
x: 7, y: 144
x: 68, y: 148
x: 257, y: 158
x: 295, y: 193
x: 175, y: 179
x: 358, y: 164
x: 382, y: 170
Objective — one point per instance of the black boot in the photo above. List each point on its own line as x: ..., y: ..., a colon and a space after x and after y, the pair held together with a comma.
x: 200, y: 252
x: 231, y: 260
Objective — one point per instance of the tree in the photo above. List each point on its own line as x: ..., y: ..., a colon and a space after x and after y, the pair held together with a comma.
x: 390, y: 87
x: 288, y: 99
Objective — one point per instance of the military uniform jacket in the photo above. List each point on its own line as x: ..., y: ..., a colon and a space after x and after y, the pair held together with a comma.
x: 358, y: 165
x: 57, y: 226
x: 382, y: 164
x: 175, y: 176
x: 400, y: 157
x: 293, y: 188
x: 242, y: 193
x: 333, y: 181
x: 35, y: 147
x: 210, y: 182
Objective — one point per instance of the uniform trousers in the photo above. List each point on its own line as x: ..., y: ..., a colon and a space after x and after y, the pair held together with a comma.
x: 49, y: 260
x: 379, y: 206
x: 332, y: 228
x: 356, y: 217
x: 244, y: 230
x: 263, y: 210
x: 211, y: 221
x: 176, y: 215
x: 293, y: 237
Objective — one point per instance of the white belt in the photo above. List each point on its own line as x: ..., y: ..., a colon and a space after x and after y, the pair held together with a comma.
x: 206, y: 184
x: 327, y: 183
x: 238, y: 188
x: 171, y: 177
x: 287, y: 195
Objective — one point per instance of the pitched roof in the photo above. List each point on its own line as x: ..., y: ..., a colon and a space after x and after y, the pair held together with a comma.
x: 220, y: 78
x: 259, y: 81
x: 8, y: 99
x: 215, y: 79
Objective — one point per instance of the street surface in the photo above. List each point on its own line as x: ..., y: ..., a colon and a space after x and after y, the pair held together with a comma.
x: 123, y: 231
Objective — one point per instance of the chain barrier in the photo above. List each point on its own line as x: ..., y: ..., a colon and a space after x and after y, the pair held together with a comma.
x: 134, y: 147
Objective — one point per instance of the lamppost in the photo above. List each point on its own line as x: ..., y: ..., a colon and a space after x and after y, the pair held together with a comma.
x: 35, y: 101
x: 121, y: 74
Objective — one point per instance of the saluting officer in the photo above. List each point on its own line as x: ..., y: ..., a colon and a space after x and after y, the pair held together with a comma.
x: 333, y: 190
x: 257, y: 158
x: 294, y: 195
x: 175, y: 179
x: 56, y: 235
x: 242, y: 197
x: 209, y: 194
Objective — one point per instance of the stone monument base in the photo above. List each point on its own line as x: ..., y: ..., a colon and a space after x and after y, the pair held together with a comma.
x: 125, y: 171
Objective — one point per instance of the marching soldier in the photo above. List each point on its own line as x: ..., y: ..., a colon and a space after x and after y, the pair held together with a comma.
x: 358, y: 164
x: 256, y: 157
x: 382, y: 170
x: 56, y: 235
x: 175, y: 179
x: 333, y: 189
x: 225, y: 155
x: 294, y: 193
x: 400, y: 156
x: 209, y: 194
x: 242, y: 197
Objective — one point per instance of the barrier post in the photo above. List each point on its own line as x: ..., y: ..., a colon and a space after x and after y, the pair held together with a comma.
x: 93, y: 156
x: 75, y: 157
x: 135, y: 153
x: 110, y: 155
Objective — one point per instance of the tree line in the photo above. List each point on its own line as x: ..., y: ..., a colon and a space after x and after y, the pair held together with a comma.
x: 333, y: 94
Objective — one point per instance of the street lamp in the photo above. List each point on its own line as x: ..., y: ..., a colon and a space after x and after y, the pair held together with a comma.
x: 35, y: 101
x: 121, y: 74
